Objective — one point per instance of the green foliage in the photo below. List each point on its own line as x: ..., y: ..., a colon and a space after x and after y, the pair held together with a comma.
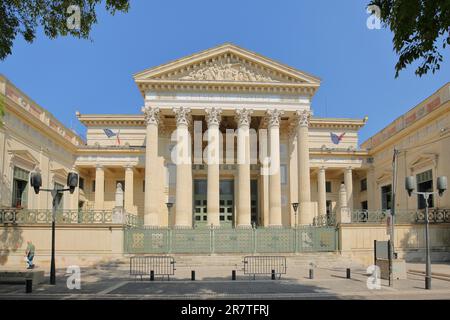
x: 25, y: 16
x: 420, y: 27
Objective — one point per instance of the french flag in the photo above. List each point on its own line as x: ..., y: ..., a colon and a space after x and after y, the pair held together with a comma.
x: 336, y: 138
x: 109, y: 133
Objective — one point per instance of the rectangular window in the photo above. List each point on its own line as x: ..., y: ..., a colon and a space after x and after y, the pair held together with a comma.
x: 328, y: 186
x: 363, y: 184
x: 386, y: 197
x: 81, y: 183
x: 143, y: 185
x: 20, y: 188
x: 425, y: 184
x: 93, y: 185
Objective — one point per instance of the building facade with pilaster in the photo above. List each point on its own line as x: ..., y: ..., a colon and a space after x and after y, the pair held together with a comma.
x: 224, y: 137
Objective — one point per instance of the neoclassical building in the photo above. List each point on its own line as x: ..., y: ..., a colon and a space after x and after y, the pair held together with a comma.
x: 224, y: 137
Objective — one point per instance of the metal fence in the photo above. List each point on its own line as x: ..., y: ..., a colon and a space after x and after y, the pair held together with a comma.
x: 30, y: 216
x: 140, y: 240
x: 401, y: 216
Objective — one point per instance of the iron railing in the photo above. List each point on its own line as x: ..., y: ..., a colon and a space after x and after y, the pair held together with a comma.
x: 34, y: 216
x: 141, y: 240
x: 325, y: 220
x: 401, y: 216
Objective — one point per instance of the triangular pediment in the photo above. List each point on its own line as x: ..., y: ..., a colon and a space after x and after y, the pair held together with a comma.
x: 423, y: 160
x: 385, y: 175
x: 25, y: 156
x: 227, y: 63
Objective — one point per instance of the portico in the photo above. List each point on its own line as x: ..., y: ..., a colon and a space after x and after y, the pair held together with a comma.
x: 225, y: 135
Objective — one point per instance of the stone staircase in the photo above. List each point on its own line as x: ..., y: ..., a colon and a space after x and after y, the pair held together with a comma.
x: 234, y: 261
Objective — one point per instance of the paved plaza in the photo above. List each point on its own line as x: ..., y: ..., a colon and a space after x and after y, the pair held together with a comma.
x: 112, y: 281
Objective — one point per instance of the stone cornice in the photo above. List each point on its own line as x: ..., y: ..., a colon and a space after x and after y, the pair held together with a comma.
x: 114, y: 119
x: 231, y: 86
x: 336, y: 123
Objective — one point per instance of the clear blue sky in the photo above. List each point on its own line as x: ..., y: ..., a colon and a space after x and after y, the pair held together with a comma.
x: 328, y: 39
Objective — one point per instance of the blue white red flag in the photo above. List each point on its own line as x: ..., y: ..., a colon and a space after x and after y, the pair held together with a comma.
x: 109, y: 133
x: 336, y: 138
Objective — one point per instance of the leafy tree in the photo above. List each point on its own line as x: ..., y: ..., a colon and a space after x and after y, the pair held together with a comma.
x: 420, y: 27
x: 55, y: 17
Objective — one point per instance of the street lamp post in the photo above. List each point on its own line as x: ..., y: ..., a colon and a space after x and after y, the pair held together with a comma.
x: 169, y: 206
x: 410, y: 183
x: 36, y: 183
x: 295, y: 207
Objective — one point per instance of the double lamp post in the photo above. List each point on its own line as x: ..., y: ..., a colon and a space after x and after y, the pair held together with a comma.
x: 410, y: 183
x: 36, y: 183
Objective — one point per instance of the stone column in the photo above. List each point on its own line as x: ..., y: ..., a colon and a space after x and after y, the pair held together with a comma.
x: 99, y: 187
x: 129, y: 189
x: 348, y: 180
x: 151, y: 175
x: 306, y: 214
x: 321, y: 180
x: 213, y: 118
x: 183, y: 161
x: 243, y: 119
x: 273, y: 117
x: 343, y: 213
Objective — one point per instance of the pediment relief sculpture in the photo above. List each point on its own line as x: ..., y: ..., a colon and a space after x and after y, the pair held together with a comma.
x: 226, y: 69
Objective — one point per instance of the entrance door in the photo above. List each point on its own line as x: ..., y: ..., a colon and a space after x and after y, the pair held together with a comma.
x: 200, y: 204
x: 226, y: 203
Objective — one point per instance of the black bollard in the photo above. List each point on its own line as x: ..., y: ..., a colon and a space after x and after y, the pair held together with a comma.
x: 152, y: 275
x: 311, y: 273
x: 193, y: 275
x: 348, y: 273
x: 233, y: 275
x: 28, y: 286
x: 273, y: 274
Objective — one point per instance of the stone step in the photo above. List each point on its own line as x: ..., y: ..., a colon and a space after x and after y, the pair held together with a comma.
x: 293, y: 261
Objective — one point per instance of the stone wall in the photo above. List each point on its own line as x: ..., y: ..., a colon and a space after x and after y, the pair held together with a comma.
x: 75, y: 244
x: 356, y: 241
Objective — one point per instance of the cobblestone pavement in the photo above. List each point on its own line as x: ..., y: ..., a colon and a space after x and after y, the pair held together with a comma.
x: 112, y: 281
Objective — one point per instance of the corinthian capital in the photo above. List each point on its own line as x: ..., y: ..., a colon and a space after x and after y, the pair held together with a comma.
x: 151, y: 115
x: 273, y: 117
x: 213, y: 116
x: 182, y: 115
x: 303, y: 117
x: 244, y: 117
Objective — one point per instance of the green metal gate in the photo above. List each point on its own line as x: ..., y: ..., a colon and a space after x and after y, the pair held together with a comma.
x: 140, y: 240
